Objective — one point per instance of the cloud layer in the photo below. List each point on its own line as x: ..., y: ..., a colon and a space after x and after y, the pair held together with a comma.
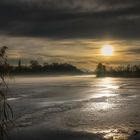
x: 70, y: 18
x: 70, y: 31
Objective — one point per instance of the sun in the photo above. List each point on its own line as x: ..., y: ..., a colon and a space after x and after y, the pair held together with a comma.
x: 107, y: 50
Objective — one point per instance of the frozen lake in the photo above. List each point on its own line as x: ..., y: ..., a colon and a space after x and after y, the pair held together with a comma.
x: 109, y: 106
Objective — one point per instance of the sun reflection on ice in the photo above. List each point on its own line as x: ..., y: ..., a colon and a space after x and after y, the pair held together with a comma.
x: 107, y: 88
x: 113, y: 134
x: 102, y: 105
x: 108, y: 83
x: 105, y: 93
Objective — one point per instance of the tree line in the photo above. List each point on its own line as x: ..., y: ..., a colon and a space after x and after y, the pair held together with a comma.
x: 53, y: 68
x: 121, y: 70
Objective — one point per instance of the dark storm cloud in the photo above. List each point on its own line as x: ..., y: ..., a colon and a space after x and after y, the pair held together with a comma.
x: 70, y: 18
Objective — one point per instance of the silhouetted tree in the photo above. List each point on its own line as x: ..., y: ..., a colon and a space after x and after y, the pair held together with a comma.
x: 101, y: 69
x: 34, y: 64
x: 19, y: 63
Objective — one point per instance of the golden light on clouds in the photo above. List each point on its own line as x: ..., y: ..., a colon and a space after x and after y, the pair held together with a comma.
x: 83, y: 53
x: 107, y: 50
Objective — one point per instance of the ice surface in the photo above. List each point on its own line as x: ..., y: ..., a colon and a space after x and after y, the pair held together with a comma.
x: 110, y: 106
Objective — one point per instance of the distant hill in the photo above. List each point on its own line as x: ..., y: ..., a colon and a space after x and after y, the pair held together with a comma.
x: 54, y: 68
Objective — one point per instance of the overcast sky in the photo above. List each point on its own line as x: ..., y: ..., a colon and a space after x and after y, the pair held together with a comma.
x: 71, y: 31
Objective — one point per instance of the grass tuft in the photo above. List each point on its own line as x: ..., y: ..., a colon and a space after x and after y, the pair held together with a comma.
x: 6, y: 112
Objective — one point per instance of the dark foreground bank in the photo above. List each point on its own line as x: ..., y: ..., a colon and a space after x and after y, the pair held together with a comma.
x: 44, y: 134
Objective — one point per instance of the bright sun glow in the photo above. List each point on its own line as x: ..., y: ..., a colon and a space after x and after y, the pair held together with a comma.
x: 107, y: 50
